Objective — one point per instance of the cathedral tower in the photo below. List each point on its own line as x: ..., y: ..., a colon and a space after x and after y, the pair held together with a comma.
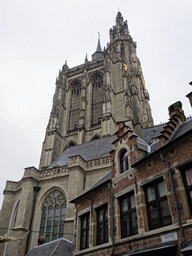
x: 92, y: 98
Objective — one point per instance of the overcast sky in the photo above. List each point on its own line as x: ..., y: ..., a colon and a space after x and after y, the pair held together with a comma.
x: 37, y: 36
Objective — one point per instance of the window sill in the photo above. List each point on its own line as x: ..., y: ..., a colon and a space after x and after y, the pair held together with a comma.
x: 157, y: 231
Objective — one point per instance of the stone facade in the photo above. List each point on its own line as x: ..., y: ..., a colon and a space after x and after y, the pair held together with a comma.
x: 82, y: 110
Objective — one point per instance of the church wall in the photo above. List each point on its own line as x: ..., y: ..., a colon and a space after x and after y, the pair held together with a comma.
x: 93, y: 176
x: 57, y: 147
x: 20, y: 216
x: 5, y: 214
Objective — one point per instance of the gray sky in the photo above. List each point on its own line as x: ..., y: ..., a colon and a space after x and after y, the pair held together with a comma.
x: 37, y: 36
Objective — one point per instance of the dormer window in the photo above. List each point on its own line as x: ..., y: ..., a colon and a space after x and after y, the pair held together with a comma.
x: 124, y: 161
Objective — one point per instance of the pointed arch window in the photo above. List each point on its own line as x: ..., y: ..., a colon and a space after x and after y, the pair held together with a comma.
x: 53, y: 216
x: 97, y: 99
x: 75, y: 106
x: 15, y: 215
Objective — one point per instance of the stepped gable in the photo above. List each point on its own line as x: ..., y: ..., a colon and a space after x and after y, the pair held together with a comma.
x: 177, y: 117
x: 91, y: 150
x: 182, y: 130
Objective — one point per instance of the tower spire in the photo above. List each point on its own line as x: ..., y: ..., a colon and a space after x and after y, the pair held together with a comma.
x: 99, y: 52
x: 98, y: 44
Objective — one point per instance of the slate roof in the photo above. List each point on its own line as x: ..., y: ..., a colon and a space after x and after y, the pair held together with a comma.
x: 102, y: 181
x: 59, y: 247
x: 180, y: 132
x: 152, y: 132
x: 91, y: 150
x: 181, y: 129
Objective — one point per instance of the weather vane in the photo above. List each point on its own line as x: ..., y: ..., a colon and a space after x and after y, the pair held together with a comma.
x: 98, y: 34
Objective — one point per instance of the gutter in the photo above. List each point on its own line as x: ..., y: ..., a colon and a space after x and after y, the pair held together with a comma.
x: 112, y: 219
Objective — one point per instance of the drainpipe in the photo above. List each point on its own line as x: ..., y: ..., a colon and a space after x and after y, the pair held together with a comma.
x: 112, y: 219
x: 36, y: 190
x: 170, y: 173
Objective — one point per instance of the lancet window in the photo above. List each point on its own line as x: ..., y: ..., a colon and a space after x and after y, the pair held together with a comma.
x: 75, y: 106
x: 97, y: 99
x: 53, y: 216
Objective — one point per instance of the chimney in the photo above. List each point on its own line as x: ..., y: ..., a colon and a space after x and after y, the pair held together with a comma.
x: 177, y: 116
x: 176, y: 112
x: 189, y: 95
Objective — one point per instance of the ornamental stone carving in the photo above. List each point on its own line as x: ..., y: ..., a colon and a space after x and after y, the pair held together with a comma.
x: 107, y: 92
x: 133, y: 89
x: 54, y: 198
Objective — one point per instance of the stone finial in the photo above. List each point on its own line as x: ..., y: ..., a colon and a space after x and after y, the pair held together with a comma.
x: 65, y: 67
x: 86, y: 58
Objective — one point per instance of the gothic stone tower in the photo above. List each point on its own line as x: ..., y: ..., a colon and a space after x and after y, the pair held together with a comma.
x: 92, y: 98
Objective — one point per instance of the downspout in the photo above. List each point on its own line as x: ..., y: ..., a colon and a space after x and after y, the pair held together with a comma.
x: 170, y: 173
x: 112, y: 219
x: 74, y: 233
x: 36, y: 190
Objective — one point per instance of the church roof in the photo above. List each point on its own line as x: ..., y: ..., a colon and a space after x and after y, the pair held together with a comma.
x: 91, y: 150
x: 152, y: 132
x: 59, y: 247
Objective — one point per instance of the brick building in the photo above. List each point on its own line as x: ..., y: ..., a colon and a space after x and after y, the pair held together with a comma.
x: 101, y: 154
x: 143, y: 206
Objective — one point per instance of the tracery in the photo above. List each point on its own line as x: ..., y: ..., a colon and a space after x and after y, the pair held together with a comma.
x: 53, y: 216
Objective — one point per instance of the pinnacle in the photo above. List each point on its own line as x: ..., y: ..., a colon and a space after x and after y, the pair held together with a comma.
x: 99, y: 45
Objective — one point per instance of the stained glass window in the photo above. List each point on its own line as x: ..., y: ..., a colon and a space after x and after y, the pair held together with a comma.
x: 53, y: 216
